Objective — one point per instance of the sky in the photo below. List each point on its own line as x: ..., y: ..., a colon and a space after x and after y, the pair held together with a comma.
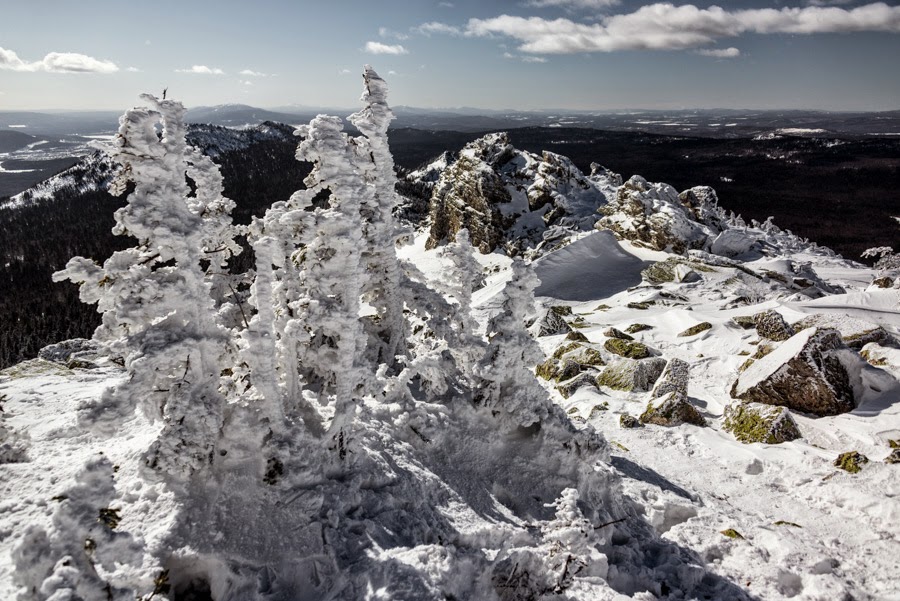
x: 521, y: 54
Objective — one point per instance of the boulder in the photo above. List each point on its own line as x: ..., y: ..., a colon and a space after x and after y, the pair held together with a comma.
x: 568, y: 388
x: 696, y: 329
x: 628, y: 422
x: 672, y: 409
x: 851, y: 461
x: 632, y: 375
x: 552, y: 322
x: 754, y: 422
x: 63, y: 352
x: 672, y: 270
x: 614, y: 333
x: 771, y: 325
x: 627, y: 348
x: 805, y: 373
x: 674, y: 378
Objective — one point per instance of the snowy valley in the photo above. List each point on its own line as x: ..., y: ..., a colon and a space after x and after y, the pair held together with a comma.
x: 549, y: 384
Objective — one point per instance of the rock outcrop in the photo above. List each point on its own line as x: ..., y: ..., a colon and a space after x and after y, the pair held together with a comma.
x: 805, y: 373
x: 632, y: 375
x: 669, y: 404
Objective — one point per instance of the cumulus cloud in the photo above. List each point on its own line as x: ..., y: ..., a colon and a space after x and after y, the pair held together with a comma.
x: 252, y: 73
x: 572, y: 4
x: 437, y: 27
x: 379, y: 48
x: 524, y: 59
x: 133, y: 70
x: 201, y: 70
x: 720, y: 52
x: 667, y: 27
x: 56, y: 62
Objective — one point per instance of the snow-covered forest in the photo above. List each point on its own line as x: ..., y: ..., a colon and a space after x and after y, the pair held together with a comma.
x: 560, y: 386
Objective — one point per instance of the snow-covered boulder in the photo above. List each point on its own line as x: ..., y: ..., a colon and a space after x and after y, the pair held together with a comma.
x: 755, y: 422
x: 732, y: 243
x: 805, y: 373
x: 672, y: 409
x: 552, y: 322
x: 855, y: 332
x: 674, y: 378
x: 673, y: 270
x: 76, y: 348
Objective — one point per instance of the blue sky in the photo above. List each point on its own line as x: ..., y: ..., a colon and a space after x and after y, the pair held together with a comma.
x: 524, y: 54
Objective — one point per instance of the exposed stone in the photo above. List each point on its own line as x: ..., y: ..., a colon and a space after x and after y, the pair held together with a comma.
x: 754, y: 422
x: 557, y: 370
x: 894, y: 457
x: 639, y: 306
x: 856, y: 333
x: 671, y: 270
x: 598, y: 410
x: 745, y: 322
x: 804, y: 373
x: 732, y: 533
x: 614, y: 333
x: 672, y: 409
x: 565, y: 349
x: 627, y: 348
x: 552, y: 322
x: 628, y: 422
x: 851, y: 461
x: 696, y: 329
x: 675, y: 378
x: 62, y: 352
x: 576, y: 336
x: 637, y: 327
x: 884, y: 282
x: 632, y: 376
x: 76, y: 363
x: 770, y: 324
x: 568, y: 388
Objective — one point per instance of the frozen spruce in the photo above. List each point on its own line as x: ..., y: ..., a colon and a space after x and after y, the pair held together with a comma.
x: 808, y: 373
x: 755, y: 422
x: 158, y: 311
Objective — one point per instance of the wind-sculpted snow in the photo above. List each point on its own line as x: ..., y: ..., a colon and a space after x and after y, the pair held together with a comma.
x: 359, y: 418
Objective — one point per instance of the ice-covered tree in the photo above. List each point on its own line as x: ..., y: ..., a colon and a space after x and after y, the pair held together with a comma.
x: 381, y: 285
x: 508, y: 384
x: 158, y: 314
x: 464, y: 276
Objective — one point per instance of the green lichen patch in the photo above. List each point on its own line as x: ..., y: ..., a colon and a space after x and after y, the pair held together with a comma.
x: 637, y: 327
x: 851, y: 461
x: 791, y: 524
x: 755, y: 422
x: 640, y: 306
x: 619, y: 446
x: 603, y: 307
x: 565, y: 349
x: 626, y: 348
x: 894, y: 444
x: 35, y: 367
x: 619, y: 334
x: 732, y: 533
x: 696, y: 329
x: 572, y: 410
x: 561, y: 310
x: 632, y: 376
x: 871, y: 359
x: 588, y: 357
x: 547, y: 370
x: 761, y: 351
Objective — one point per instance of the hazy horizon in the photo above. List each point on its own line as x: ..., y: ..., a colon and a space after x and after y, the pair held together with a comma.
x: 526, y: 55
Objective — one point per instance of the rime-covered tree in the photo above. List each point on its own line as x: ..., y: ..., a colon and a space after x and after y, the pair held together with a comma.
x: 158, y: 314
x: 464, y: 276
x: 508, y: 385
x: 381, y: 285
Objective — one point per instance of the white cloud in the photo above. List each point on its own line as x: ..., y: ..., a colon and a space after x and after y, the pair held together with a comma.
x: 524, y: 59
x: 572, y: 4
x: 669, y: 27
x: 389, y: 33
x: 246, y: 82
x: 379, y: 48
x: 252, y: 73
x: 56, y: 62
x: 437, y: 27
x: 720, y: 52
x: 446, y: 4
x: 133, y: 70
x: 392, y: 72
x: 201, y: 70
x: 344, y: 72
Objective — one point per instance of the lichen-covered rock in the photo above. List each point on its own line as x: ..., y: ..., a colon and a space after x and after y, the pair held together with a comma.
x: 883, y: 282
x: 629, y: 422
x: 672, y: 409
x: 640, y: 306
x: 627, y: 348
x: 557, y: 370
x: 754, y: 422
x: 614, y: 333
x: 552, y: 322
x: 805, y: 373
x: 62, y: 352
x: 565, y: 349
x: 675, y: 378
x: 587, y: 357
x: 671, y: 270
x: 696, y: 329
x: 856, y: 333
x: 745, y: 322
x: 851, y: 461
x: 77, y: 363
x: 631, y: 375
x: 568, y: 387
x: 771, y: 325
x: 637, y: 327
x: 894, y: 456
